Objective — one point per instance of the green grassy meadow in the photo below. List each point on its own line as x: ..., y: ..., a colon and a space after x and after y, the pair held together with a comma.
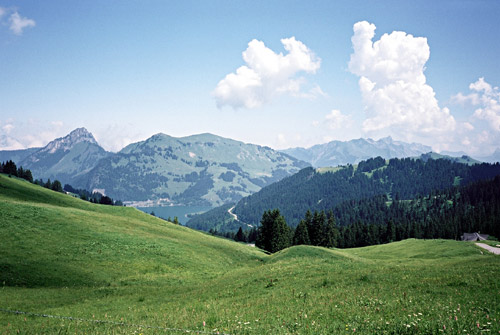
x: 62, y: 256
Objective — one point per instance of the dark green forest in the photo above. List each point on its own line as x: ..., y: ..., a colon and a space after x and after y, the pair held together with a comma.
x: 397, y: 179
x: 442, y: 214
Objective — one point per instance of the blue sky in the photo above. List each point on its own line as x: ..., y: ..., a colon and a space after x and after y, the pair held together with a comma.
x: 275, y: 73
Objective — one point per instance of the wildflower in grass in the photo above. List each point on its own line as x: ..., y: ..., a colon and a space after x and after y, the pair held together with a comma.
x: 444, y: 327
x: 204, y: 324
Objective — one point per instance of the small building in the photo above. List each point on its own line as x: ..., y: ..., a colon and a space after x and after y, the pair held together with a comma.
x: 474, y: 237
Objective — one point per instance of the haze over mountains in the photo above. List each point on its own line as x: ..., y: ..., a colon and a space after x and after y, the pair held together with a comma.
x: 336, y: 153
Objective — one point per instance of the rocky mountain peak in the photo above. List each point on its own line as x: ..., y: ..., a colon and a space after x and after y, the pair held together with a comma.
x: 67, y: 142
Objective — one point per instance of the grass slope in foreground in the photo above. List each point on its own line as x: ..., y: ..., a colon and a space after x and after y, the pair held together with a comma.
x: 63, y: 256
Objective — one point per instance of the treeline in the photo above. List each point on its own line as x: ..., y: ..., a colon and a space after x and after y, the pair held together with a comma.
x: 317, y: 229
x: 94, y: 197
x: 11, y: 169
x: 402, y: 179
x: 54, y: 186
x: 441, y: 214
x: 246, y: 236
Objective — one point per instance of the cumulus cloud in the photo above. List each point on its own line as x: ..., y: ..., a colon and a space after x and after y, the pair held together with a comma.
x: 482, y: 132
x: 487, y: 98
x: 268, y: 74
x: 396, y: 96
x: 19, y: 23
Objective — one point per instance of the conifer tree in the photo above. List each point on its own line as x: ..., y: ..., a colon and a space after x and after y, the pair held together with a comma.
x: 274, y: 233
x: 240, y: 236
x: 391, y: 232
x: 301, y: 235
x: 10, y: 168
x: 331, y: 232
x: 56, y: 186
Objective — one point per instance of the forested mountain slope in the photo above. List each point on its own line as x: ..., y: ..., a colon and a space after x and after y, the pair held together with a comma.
x: 441, y: 214
x: 326, y: 188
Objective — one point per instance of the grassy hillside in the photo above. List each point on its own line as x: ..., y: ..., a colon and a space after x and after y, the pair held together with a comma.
x: 62, y: 256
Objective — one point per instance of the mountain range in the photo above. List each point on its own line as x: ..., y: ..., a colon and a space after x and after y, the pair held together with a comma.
x: 336, y: 153
x: 201, y: 169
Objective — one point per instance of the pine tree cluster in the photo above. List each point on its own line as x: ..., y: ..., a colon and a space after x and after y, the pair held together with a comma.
x: 11, y: 169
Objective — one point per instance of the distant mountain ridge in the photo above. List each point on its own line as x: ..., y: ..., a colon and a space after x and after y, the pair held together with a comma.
x: 336, y: 153
x: 202, y: 169
x: 494, y: 157
x: 66, y: 158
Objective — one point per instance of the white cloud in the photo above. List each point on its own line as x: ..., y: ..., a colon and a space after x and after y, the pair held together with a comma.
x: 19, y: 23
x: 393, y: 86
x: 9, y: 143
x: 268, y: 74
x: 29, y: 133
x: 486, y: 98
x: 468, y: 126
x: 16, y: 22
x: 336, y: 120
x: 481, y: 85
x: 459, y: 98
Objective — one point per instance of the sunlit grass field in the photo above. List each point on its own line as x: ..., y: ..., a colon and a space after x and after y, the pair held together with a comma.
x: 137, y: 274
